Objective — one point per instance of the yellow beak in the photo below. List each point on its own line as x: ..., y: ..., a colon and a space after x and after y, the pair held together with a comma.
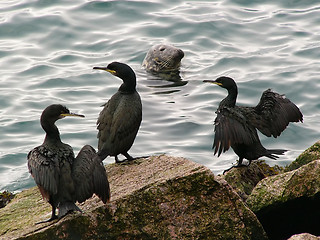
x: 71, y: 115
x: 113, y: 72
x: 212, y: 81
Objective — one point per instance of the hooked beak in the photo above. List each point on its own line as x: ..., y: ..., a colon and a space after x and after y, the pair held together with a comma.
x: 212, y: 81
x: 113, y: 72
x: 62, y: 115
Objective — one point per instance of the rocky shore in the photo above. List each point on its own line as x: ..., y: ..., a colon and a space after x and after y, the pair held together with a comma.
x: 163, y: 197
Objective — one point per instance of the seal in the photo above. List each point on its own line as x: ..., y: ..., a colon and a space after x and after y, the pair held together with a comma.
x: 163, y: 58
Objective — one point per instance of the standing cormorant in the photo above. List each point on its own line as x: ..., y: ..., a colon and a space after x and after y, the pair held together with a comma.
x: 120, y: 119
x: 63, y: 179
x: 236, y: 126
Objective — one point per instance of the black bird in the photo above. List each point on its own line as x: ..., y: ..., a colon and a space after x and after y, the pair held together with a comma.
x: 236, y: 126
x: 63, y: 179
x: 120, y: 119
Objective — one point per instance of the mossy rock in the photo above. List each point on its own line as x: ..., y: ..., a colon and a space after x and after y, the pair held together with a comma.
x: 5, y: 198
x: 244, y: 179
x: 311, y: 154
x: 156, y: 198
x: 288, y: 203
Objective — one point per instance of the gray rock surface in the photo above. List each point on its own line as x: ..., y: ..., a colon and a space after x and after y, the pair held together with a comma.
x: 303, y: 236
x: 160, y: 197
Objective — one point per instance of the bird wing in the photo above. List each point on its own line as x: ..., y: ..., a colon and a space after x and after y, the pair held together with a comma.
x: 273, y: 113
x: 90, y: 176
x: 118, y: 120
x: 231, y: 127
x: 125, y: 122
x: 44, y: 168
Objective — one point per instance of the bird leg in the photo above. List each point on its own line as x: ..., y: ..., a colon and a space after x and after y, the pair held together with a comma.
x: 53, y: 216
x: 117, y: 159
x: 239, y: 164
x: 129, y: 158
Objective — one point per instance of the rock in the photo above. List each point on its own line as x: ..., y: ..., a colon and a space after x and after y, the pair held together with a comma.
x: 288, y: 203
x: 304, y: 236
x: 244, y: 179
x: 5, y: 198
x: 159, y: 197
x: 312, y: 153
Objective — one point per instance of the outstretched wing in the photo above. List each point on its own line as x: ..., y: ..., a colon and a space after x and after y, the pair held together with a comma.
x: 231, y: 127
x: 273, y: 113
x: 90, y: 176
x: 44, y: 168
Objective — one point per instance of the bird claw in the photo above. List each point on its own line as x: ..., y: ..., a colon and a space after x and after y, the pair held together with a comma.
x: 129, y: 159
x: 238, y: 165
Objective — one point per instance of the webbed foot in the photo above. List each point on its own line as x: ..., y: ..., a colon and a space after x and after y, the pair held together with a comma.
x: 128, y: 158
x: 53, y: 217
x: 238, y: 165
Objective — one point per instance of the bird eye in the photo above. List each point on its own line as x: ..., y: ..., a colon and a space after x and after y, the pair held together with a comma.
x: 162, y: 49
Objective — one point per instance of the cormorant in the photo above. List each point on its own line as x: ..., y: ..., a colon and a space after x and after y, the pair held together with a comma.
x: 120, y: 119
x: 63, y: 179
x: 236, y: 126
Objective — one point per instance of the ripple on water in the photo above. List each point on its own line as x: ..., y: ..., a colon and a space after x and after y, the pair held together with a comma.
x: 48, y: 50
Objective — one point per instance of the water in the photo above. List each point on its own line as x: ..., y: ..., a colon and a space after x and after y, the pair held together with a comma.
x: 48, y: 50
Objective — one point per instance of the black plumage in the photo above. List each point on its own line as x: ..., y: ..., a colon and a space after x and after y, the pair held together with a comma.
x: 63, y: 179
x: 236, y: 126
x: 120, y: 119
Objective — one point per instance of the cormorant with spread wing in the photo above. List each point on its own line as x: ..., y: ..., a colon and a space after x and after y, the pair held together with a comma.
x: 236, y: 126
x: 120, y: 119
x: 63, y: 179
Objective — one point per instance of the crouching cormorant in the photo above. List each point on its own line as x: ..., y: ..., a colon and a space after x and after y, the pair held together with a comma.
x: 120, y: 119
x: 236, y: 126
x: 63, y: 179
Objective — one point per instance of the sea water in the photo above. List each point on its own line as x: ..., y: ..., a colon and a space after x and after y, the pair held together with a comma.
x: 48, y: 50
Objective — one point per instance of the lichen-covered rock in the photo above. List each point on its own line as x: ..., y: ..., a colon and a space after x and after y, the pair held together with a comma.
x: 5, y: 198
x: 312, y: 153
x: 288, y: 203
x: 244, y: 179
x: 303, y: 236
x: 156, y: 198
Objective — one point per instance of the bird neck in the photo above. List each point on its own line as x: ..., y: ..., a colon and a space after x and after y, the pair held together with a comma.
x: 52, y: 133
x: 230, y: 100
x: 128, y: 86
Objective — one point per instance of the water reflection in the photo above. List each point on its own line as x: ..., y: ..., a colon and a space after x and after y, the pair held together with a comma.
x: 166, y: 81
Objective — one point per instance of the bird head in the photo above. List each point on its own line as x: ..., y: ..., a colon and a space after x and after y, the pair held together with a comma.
x: 224, y: 82
x: 55, y: 112
x: 118, y: 69
x: 124, y: 72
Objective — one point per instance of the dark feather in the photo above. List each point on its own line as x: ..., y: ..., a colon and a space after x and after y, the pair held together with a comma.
x: 90, y: 176
x: 236, y: 126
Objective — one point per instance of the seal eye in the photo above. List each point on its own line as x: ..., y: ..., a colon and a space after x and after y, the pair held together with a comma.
x: 162, y: 49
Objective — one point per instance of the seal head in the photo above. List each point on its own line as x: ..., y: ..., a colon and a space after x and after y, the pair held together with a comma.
x: 163, y: 58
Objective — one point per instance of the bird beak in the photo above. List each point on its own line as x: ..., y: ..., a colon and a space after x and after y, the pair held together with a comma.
x: 113, y: 72
x: 212, y: 81
x: 62, y: 115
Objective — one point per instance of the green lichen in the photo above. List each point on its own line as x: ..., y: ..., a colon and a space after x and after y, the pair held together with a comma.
x: 309, y: 155
x: 5, y: 198
x: 158, y: 198
x: 244, y: 179
x: 22, y: 211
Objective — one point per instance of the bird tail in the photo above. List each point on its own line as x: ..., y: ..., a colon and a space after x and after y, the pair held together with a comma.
x: 67, y: 207
x: 271, y: 153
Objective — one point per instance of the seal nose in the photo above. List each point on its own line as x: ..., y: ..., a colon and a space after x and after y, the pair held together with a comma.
x: 180, y: 53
